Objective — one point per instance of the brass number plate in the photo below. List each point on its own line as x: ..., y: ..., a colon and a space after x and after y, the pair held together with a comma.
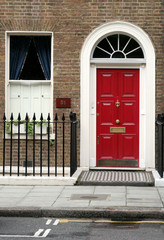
x: 117, y: 129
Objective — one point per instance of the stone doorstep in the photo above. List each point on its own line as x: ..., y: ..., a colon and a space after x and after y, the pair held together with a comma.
x: 116, y: 178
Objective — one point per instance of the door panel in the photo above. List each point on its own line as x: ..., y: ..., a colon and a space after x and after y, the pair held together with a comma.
x: 127, y: 146
x: 127, y: 88
x: 106, y: 113
x: 128, y: 113
x: 105, y: 142
x: 118, y: 117
x: 107, y: 85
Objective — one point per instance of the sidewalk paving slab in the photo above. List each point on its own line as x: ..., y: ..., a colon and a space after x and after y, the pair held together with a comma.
x: 123, y: 202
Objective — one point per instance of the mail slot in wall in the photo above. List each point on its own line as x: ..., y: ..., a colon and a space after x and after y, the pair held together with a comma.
x: 63, y: 102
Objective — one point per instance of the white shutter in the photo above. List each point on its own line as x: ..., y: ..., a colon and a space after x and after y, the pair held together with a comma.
x: 46, y: 102
x: 25, y: 101
x: 36, y: 91
x: 30, y: 98
x: 15, y: 100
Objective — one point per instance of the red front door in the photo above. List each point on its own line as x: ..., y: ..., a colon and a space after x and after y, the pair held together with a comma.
x: 118, y: 117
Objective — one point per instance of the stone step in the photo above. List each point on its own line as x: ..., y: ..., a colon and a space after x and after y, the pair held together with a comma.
x: 116, y: 178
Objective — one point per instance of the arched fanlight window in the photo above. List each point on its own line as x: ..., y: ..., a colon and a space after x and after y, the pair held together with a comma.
x: 118, y: 46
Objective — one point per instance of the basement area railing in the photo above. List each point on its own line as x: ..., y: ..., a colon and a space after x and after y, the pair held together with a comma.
x: 160, y: 136
x: 43, y: 148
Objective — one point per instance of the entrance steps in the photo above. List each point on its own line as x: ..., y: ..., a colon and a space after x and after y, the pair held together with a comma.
x: 116, y: 178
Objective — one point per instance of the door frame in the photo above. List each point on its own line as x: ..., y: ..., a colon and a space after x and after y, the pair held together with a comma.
x: 88, y: 92
x: 142, y: 111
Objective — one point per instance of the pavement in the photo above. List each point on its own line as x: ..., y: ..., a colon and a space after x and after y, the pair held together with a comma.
x: 114, y: 202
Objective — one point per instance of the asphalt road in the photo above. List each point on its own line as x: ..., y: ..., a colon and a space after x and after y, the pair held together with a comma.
x: 79, y: 229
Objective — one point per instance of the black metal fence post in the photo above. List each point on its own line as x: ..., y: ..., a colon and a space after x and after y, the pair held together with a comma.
x: 41, y: 126
x: 56, y: 137
x: 11, y: 143
x: 48, y: 129
x: 19, y: 121
x: 4, y: 142
x: 73, y: 144
x: 26, y: 155
x: 34, y: 119
x: 160, y: 124
x: 63, y: 119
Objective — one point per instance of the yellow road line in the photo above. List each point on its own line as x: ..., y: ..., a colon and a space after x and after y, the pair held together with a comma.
x: 67, y: 220
x: 129, y: 221
x: 106, y: 221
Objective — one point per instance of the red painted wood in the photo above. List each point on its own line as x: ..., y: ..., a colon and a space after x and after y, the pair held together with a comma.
x: 121, y: 85
x: 63, y: 102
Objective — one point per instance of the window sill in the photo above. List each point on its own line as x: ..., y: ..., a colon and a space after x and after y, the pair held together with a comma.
x: 30, y: 82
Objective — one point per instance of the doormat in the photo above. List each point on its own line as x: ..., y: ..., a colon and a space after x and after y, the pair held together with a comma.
x: 116, y: 178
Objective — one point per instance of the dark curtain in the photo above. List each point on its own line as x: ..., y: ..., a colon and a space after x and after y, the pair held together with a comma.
x: 43, y: 47
x: 18, y: 50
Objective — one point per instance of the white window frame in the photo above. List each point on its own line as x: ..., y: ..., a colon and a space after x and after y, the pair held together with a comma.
x: 109, y: 52
x: 7, y: 70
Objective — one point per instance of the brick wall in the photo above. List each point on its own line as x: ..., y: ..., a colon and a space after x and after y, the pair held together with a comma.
x: 71, y: 21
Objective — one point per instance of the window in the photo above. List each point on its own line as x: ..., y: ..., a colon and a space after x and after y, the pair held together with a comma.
x: 118, y: 46
x: 29, y: 78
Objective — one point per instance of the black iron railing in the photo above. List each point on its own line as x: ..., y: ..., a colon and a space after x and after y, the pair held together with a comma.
x: 160, y: 125
x: 52, y: 148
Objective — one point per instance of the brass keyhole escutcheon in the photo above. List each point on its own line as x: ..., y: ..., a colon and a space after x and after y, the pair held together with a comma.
x: 117, y: 121
x: 117, y: 104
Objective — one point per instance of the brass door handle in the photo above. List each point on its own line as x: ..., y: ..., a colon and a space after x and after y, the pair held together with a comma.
x: 117, y: 121
x: 117, y: 104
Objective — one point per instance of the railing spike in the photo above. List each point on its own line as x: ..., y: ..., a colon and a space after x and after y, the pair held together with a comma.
x: 41, y: 117
x: 26, y: 118
x: 19, y: 117
x: 34, y: 117
x: 4, y: 117
x: 56, y: 117
x: 11, y: 118
x: 48, y: 118
x: 63, y: 118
